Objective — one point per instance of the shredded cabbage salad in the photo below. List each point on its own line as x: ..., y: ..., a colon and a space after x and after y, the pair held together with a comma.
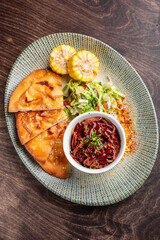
x: 80, y: 97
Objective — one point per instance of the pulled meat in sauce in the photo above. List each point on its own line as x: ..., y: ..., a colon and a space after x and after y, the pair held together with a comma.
x: 95, y: 143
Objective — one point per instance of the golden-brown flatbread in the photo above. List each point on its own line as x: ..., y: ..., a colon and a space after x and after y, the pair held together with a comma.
x: 30, y: 124
x: 40, y: 146
x: 57, y: 163
x: 40, y: 90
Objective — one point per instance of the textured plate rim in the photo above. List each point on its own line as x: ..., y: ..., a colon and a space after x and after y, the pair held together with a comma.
x: 25, y: 163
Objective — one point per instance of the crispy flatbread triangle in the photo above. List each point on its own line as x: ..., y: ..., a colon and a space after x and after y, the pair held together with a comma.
x: 40, y: 146
x: 32, y: 123
x: 40, y: 90
x: 57, y: 163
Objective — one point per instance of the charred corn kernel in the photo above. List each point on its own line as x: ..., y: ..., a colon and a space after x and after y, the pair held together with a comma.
x: 83, y: 66
x: 58, y: 58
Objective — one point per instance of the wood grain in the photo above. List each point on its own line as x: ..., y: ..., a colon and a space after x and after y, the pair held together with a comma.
x: 27, y: 209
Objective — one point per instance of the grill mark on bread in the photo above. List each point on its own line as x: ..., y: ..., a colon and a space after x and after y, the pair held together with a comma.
x: 46, y: 83
x: 50, y: 132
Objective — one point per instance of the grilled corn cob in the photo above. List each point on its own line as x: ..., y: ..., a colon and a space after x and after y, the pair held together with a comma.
x: 59, y: 58
x: 83, y: 66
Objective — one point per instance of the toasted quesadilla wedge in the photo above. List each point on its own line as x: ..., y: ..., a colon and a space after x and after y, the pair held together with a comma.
x: 57, y: 163
x: 41, y: 146
x: 32, y: 123
x: 40, y: 90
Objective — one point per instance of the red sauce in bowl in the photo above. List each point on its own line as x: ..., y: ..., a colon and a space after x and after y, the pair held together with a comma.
x: 95, y: 143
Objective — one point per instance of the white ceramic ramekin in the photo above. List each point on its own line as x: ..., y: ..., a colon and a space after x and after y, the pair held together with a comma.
x: 67, y: 141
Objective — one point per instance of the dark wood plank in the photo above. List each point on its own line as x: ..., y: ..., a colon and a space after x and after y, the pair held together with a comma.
x: 27, y: 209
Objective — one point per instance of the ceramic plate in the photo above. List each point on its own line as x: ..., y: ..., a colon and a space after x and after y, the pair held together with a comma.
x: 124, y: 179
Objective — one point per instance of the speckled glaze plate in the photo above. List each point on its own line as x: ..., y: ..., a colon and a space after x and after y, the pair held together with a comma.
x: 124, y: 179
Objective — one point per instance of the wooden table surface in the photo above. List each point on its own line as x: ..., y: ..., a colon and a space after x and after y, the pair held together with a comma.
x: 27, y: 209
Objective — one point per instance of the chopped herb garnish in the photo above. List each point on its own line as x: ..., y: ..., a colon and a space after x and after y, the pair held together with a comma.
x: 95, y: 139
